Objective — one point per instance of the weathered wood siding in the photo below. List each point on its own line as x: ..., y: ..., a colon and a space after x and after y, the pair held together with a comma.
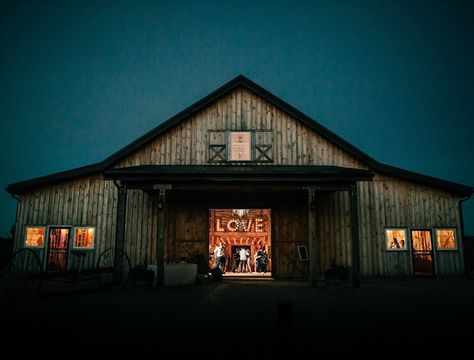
x: 389, y: 202
x: 293, y: 142
x: 141, y: 227
x: 188, y: 231
x: 289, y: 229
x: 385, y: 202
x: 89, y: 201
x: 333, y: 229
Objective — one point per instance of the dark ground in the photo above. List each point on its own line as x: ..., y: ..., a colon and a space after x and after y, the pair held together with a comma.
x: 240, y: 320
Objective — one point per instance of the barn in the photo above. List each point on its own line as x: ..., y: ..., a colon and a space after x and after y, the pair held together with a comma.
x: 243, y: 168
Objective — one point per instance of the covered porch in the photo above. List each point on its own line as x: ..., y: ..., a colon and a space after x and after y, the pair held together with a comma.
x: 292, y: 192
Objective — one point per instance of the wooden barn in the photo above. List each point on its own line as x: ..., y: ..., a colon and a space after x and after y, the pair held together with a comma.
x: 244, y: 168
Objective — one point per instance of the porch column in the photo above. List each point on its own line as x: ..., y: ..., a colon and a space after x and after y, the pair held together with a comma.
x: 355, y: 237
x: 120, y: 231
x: 160, y: 241
x: 313, y: 251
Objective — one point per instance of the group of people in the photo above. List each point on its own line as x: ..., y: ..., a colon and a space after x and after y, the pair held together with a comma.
x: 396, y: 244
x: 241, y: 260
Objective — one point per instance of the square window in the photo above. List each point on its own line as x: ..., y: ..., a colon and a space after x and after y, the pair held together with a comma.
x: 446, y: 239
x: 34, y: 236
x: 396, y: 239
x: 240, y: 146
x: 84, y: 238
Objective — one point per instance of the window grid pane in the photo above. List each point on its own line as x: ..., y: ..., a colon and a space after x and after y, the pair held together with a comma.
x: 240, y: 146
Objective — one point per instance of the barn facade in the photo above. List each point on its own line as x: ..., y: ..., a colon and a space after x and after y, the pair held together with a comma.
x: 245, y: 168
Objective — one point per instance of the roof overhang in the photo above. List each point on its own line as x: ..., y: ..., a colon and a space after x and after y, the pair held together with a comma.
x: 145, y: 177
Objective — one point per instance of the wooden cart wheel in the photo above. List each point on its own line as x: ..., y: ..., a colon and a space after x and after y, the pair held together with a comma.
x: 108, y: 269
x: 24, y: 274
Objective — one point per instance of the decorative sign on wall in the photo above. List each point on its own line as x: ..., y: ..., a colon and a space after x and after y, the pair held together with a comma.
x: 242, y: 220
x: 237, y: 225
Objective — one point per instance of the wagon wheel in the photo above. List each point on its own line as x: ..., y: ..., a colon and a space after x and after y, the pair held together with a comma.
x: 111, y: 272
x: 24, y: 274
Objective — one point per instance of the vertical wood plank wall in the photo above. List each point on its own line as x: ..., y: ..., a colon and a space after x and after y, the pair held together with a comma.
x: 89, y: 201
x: 289, y: 229
x: 385, y: 202
x: 293, y: 142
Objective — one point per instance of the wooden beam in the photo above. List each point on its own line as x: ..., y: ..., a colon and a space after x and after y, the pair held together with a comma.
x: 161, y: 240
x: 313, y: 251
x: 120, y: 231
x: 355, y: 237
x: 241, y: 188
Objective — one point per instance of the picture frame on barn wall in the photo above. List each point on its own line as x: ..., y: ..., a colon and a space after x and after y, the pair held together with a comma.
x: 303, y: 252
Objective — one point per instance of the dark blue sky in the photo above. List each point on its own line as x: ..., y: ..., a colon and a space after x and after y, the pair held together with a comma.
x: 79, y: 80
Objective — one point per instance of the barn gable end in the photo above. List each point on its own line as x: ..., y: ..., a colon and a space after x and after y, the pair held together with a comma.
x: 292, y: 141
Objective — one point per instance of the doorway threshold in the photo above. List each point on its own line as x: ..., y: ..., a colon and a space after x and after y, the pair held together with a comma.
x: 247, y: 276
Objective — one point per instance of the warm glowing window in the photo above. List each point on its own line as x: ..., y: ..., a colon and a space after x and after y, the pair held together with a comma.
x: 34, y: 236
x: 396, y: 239
x: 84, y: 237
x: 240, y: 146
x: 446, y: 239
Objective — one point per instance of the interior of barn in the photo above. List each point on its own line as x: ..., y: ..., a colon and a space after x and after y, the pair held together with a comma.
x: 240, y: 241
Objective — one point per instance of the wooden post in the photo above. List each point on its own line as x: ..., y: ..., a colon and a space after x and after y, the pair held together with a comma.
x: 355, y: 237
x: 120, y: 231
x: 160, y: 241
x: 313, y: 251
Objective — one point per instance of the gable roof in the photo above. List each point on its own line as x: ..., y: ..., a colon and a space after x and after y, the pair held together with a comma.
x: 241, y: 82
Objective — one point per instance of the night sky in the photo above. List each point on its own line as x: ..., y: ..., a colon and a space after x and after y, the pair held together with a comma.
x: 80, y: 80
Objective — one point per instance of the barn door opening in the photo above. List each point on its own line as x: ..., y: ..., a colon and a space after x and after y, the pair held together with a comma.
x: 240, y: 242
x: 58, y: 249
x: 422, y: 246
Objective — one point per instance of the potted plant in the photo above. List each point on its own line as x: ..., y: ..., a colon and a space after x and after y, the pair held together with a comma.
x: 337, y: 273
x: 142, y: 273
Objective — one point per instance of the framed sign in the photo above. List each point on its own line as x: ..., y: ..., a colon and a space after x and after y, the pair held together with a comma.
x: 303, y: 252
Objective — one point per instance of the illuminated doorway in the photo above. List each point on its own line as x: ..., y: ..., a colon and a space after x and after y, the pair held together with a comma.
x: 58, y: 246
x: 245, y: 235
x: 422, y: 245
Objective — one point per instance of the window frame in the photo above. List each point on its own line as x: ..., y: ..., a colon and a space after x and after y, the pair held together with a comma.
x: 45, y: 236
x: 74, y: 247
x: 397, y: 228
x: 456, y: 248
x: 261, y: 146
x: 229, y: 145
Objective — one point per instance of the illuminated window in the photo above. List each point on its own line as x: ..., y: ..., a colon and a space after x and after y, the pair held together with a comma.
x: 446, y: 239
x: 240, y: 146
x: 396, y: 239
x: 34, y: 236
x: 84, y: 238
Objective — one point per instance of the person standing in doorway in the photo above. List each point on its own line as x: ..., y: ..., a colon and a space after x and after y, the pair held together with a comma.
x: 219, y: 254
x: 249, y: 261
x: 243, y: 260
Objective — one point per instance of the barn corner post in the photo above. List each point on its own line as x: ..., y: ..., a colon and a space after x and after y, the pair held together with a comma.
x: 120, y: 230
x: 313, y: 251
x: 160, y: 243
x: 355, y: 236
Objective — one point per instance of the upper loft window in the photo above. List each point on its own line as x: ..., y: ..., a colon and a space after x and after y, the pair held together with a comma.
x: 236, y: 146
x: 240, y: 146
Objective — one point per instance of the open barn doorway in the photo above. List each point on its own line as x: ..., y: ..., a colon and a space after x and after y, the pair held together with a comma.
x: 240, y: 242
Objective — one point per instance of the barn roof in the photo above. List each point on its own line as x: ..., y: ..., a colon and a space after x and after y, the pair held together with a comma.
x: 240, y: 82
